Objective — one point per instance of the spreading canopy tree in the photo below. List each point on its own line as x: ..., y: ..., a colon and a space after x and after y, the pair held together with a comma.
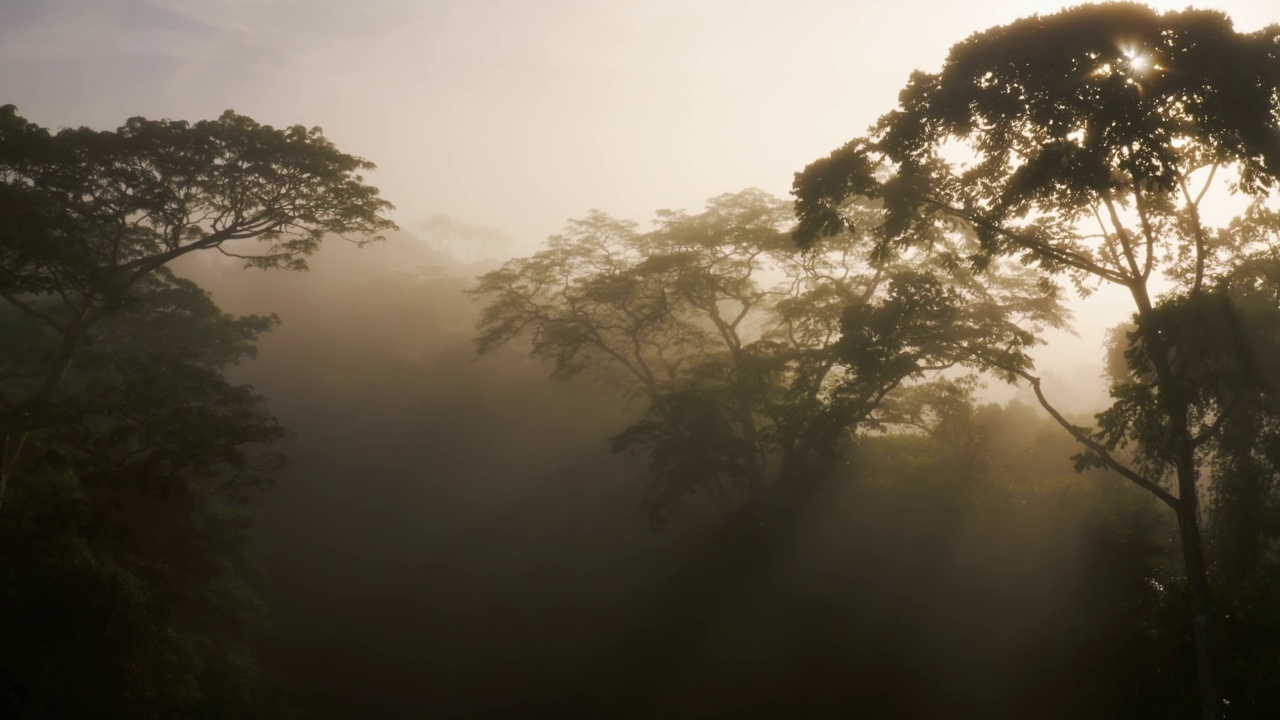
x: 756, y: 363
x: 125, y: 537
x: 1087, y: 144
x: 85, y: 216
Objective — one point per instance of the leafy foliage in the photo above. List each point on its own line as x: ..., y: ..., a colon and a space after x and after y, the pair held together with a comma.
x: 86, y: 209
x: 85, y: 216
x: 1083, y: 143
x: 1024, y: 144
x: 750, y: 387
x: 126, y: 551
x: 129, y: 460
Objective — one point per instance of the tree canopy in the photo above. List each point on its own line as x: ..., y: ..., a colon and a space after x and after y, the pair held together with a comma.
x: 129, y: 458
x: 125, y: 542
x: 755, y: 361
x: 1130, y: 107
x: 86, y: 215
x: 1085, y: 143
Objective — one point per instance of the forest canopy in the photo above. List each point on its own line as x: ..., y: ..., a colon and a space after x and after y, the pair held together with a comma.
x: 129, y: 458
x: 738, y: 460
x: 1084, y: 143
x: 757, y: 364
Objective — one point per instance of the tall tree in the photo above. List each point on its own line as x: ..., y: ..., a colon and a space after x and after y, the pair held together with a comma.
x: 85, y: 216
x: 755, y: 362
x: 125, y: 544
x: 1085, y: 143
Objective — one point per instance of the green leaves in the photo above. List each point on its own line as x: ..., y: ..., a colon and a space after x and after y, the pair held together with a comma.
x: 824, y: 186
x: 1221, y: 345
x: 146, y: 399
x: 695, y: 442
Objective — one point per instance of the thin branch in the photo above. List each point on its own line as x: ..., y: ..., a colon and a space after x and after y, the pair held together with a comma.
x: 1148, y: 234
x: 1193, y: 207
x: 1122, y: 235
x: 1098, y: 449
x: 1109, y: 241
x: 1207, y: 183
x: 1062, y: 255
x: 1207, y: 433
x: 38, y: 314
x: 238, y: 256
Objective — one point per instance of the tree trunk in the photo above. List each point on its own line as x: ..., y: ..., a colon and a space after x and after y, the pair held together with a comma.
x: 1203, y: 635
x: 13, y: 442
x: 1202, y: 623
x: 1177, y: 407
x: 1203, y: 630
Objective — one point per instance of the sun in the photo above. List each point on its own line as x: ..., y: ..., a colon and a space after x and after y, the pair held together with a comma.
x: 1135, y: 64
x: 1139, y: 61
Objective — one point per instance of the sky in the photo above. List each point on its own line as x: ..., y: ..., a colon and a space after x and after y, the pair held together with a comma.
x: 514, y: 114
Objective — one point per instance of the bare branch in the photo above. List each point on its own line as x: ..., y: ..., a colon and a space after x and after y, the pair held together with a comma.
x: 1122, y: 235
x: 1097, y: 448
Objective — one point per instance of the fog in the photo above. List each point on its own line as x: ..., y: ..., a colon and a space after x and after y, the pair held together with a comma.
x: 454, y: 538
x: 480, y: 518
x: 508, y: 114
x: 519, y: 117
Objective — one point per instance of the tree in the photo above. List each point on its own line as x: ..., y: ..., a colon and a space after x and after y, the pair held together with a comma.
x: 467, y: 243
x: 1085, y: 143
x: 86, y: 216
x: 751, y: 390
x: 1225, y: 342
x: 125, y: 547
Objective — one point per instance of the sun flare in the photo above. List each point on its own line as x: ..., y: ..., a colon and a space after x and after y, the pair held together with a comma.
x: 1140, y: 62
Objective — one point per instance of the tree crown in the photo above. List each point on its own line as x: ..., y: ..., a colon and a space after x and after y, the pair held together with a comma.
x: 1031, y: 130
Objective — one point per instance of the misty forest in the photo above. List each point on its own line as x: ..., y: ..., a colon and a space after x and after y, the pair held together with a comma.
x: 270, y: 454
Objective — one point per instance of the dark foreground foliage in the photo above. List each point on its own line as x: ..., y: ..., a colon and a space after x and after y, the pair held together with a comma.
x: 127, y: 580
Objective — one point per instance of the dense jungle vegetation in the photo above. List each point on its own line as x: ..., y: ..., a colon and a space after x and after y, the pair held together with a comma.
x: 736, y: 461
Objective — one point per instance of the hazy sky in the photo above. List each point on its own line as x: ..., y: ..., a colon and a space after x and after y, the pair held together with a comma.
x: 513, y: 113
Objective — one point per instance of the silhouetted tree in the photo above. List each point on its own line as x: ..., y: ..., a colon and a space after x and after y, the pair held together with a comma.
x: 1084, y: 143
x: 86, y: 215
x: 124, y: 538
x: 125, y: 556
x: 751, y: 388
x: 467, y: 243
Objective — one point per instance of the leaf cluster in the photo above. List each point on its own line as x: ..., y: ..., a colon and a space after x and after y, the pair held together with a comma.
x: 127, y: 532
x: 86, y: 210
x: 1035, y: 129
x: 757, y: 361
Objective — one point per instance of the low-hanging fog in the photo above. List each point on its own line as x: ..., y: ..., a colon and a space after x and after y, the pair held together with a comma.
x: 458, y: 531
x: 454, y: 538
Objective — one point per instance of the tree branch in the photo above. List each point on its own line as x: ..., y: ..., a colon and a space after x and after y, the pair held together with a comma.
x: 1123, y: 236
x: 1098, y: 449
x: 1193, y: 208
x: 1062, y: 255
x: 1148, y: 234
x: 1207, y: 433
x: 37, y: 314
